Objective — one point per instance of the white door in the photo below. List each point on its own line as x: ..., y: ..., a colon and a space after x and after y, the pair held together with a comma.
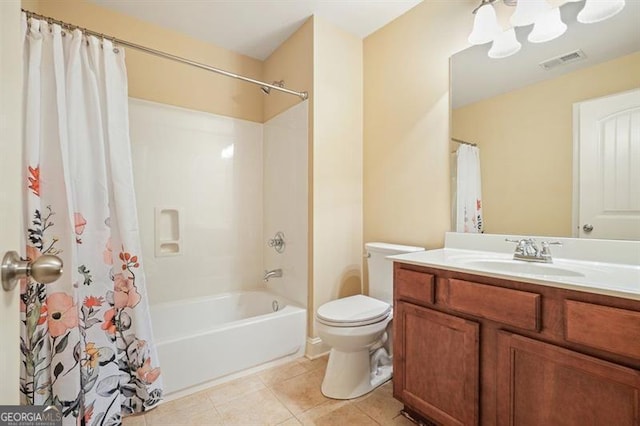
x: 10, y: 193
x: 609, y: 167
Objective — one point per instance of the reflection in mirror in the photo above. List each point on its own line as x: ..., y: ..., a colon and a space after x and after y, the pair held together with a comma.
x: 521, y: 115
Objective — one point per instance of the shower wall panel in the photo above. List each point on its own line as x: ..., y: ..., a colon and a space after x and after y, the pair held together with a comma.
x: 210, y: 168
x: 286, y: 200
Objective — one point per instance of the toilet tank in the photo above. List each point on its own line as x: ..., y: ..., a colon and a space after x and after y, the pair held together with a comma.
x: 381, y: 269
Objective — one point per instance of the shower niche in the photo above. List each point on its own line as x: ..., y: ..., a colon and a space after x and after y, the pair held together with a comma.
x: 168, y: 240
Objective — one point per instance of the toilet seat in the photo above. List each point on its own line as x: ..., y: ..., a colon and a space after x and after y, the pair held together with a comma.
x: 353, y: 311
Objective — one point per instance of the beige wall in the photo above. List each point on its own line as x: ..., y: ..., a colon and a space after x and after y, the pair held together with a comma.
x: 292, y: 62
x: 337, y: 164
x: 406, y: 123
x: 327, y: 62
x: 527, y: 164
x: 160, y: 80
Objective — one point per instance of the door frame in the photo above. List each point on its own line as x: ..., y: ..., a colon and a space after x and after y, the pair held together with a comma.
x: 10, y: 192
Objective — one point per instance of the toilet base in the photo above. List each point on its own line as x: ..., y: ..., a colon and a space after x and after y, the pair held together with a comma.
x: 348, y: 375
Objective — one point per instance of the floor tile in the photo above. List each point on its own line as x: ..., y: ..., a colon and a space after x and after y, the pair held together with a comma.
x: 136, y: 420
x: 229, y: 391
x: 257, y: 408
x: 380, y: 404
x: 208, y: 419
x: 347, y: 414
x: 302, y: 392
x: 192, y: 404
x: 314, y: 364
x: 291, y: 422
x: 310, y: 416
x: 172, y: 416
x: 276, y: 375
x: 399, y: 420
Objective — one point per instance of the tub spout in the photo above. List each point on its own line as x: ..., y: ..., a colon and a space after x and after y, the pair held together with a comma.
x: 274, y: 273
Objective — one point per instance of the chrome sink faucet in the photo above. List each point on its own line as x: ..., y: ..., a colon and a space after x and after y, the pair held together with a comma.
x: 527, y: 250
x: 274, y: 273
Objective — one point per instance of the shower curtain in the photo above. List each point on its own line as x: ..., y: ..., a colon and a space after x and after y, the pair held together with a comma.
x: 468, y: 190
x: 86, y: 339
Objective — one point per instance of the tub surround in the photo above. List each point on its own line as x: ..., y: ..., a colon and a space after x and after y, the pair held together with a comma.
x: 550, y: 354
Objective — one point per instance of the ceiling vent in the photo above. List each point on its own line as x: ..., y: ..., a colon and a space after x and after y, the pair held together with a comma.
x: 576, y: 55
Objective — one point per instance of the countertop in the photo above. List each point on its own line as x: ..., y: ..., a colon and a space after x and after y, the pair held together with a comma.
x: 612, y: 279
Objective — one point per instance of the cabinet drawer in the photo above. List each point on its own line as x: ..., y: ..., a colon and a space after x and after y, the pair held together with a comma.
x: 512, y: 307
x: 611, y: 329
x: 414, y: 285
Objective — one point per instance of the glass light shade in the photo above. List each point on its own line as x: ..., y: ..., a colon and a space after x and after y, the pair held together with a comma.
x: 528, y: 11
x: 485, y: 25
x: 505, y: 44
x: 548, y: 27
x: 599, y: 10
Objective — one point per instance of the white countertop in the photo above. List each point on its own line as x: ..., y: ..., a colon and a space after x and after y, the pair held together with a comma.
x: 608, y: 278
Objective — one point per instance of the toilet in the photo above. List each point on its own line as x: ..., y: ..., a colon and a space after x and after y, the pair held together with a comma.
x: 358, y: 329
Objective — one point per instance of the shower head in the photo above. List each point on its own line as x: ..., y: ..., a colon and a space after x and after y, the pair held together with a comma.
x: 267, y: 90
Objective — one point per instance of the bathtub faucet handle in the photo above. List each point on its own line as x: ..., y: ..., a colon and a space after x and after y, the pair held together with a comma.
x: 274, y: 273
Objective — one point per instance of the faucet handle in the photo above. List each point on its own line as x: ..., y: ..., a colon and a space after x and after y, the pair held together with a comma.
x: 546, y: 244
x: 526, y: 246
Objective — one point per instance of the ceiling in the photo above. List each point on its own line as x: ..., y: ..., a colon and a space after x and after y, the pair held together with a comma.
x: 601, y: 41
x: 257, y: 27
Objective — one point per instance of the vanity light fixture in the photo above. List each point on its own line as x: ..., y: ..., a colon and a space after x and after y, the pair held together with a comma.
x: 505, y: 44
x: 599, y: 10
x: 485, y: 24
x: 547, y: 22
x: 547, y: 27
x: 528, y: 11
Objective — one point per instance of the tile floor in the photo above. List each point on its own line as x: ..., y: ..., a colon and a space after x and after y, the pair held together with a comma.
x: 285, y: 395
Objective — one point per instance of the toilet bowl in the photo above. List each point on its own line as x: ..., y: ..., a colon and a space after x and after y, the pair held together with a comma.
x: 358, y: 330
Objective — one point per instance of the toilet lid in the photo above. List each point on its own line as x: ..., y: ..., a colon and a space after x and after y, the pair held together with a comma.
x: 353, y: 310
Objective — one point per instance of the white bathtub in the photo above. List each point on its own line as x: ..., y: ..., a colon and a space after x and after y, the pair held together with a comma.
x: 204, y: 339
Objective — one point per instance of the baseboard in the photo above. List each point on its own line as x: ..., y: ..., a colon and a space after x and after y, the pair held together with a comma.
x: 316, y: 348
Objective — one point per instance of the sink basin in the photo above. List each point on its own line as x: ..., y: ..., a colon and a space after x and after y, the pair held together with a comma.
x: 521, y: 267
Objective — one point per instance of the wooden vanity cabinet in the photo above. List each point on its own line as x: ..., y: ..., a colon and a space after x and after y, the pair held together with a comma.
x: 440, y: 355
x: 475, y: 350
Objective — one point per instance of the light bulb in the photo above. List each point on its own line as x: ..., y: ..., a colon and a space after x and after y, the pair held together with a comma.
x: 528, y: 11
x: 485, y: 25
x: 505, y: 44
x: 599, y: 10
x: 548, y: 27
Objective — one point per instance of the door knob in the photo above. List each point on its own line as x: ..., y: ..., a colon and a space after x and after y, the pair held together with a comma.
x: 45, y: 269
x: 587, y: 227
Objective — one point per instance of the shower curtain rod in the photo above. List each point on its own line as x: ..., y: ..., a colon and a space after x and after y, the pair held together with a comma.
x: 464, y: 142
x: 301, y: 95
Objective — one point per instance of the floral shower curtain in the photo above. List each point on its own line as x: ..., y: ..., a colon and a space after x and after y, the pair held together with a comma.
x: 86, y: 339
x: 468, y: 190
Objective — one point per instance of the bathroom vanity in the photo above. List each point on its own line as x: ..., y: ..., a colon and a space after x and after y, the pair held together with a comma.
x: 493, y: 346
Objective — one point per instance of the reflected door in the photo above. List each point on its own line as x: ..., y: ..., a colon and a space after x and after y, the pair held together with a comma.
x: 609, y: 167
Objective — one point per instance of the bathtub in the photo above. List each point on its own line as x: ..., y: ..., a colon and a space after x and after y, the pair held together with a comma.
x: 204, y: 339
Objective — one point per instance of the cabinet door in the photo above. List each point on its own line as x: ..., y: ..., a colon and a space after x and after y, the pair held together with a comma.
x: 436, y: 364
x: 542, y: 384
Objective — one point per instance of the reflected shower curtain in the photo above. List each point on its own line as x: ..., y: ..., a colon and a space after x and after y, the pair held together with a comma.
x: 468, y: 190
x: 86, y: 339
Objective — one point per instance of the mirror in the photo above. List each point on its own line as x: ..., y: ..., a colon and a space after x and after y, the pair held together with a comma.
x: 521, y: 115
